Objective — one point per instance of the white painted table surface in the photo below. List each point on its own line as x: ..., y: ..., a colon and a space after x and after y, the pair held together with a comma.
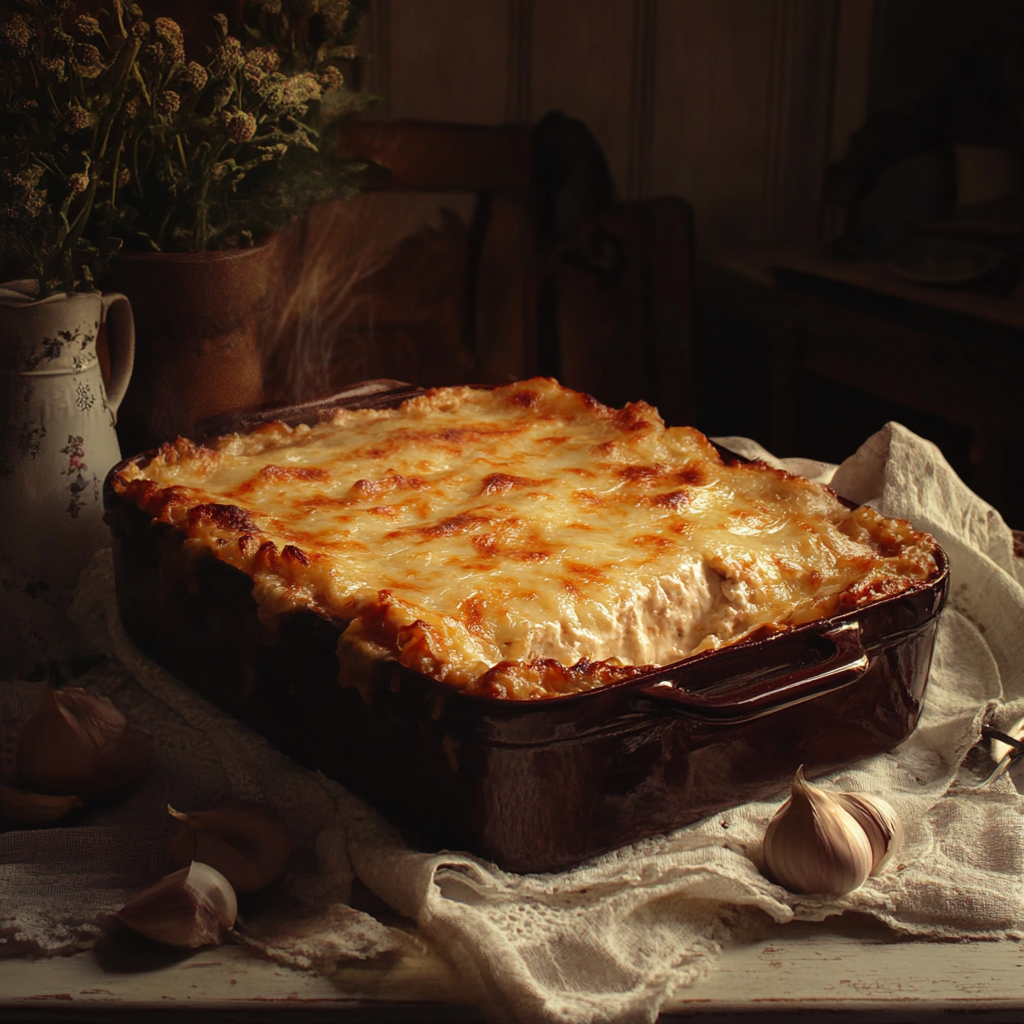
x: 843, y: 970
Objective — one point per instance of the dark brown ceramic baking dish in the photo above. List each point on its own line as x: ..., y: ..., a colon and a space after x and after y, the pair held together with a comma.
x: 541, y: 785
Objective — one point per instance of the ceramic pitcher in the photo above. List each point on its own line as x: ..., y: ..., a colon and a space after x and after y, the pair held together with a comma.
x: 57, y: 418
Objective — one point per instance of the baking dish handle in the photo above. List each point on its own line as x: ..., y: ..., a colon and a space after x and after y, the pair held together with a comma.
x: 769, y: 693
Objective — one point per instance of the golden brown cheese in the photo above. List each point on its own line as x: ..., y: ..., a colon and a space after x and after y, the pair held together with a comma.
x: 523, y: 541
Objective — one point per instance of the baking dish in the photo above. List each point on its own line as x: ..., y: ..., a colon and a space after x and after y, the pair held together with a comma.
x: 538, y: 785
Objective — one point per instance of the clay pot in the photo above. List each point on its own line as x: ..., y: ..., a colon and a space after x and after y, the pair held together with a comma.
x: 196, y: 352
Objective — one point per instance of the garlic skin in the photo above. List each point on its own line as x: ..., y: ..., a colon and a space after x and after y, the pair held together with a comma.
x: 78, y: 742
x: 813, y: 845
x: 192, y: 907
x: 25, y: 808
x: 247, y: 842
x: 880, y: 822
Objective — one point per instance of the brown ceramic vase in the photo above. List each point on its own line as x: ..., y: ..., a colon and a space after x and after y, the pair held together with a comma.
x: 196, y: 339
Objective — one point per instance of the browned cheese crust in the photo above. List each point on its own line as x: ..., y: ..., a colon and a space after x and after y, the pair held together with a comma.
x: 524, y: 541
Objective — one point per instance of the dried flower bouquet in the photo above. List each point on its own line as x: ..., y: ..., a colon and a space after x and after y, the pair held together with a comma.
x: 113, y: 135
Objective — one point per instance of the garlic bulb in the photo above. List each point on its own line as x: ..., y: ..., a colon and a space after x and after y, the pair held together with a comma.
x: 814, y: 844
x: 25, y: 808
x: 193, y: 907
x: 247, y: 842
x: 880, y: 822
x: 78, y: 742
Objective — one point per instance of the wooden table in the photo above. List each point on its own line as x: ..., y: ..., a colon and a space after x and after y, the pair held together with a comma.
x: 841, y: 971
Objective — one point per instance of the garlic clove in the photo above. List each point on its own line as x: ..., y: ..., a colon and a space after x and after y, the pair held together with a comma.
x: 78, y: 742
x: 247, y: 842
x: 54, y: 746
x: 814, y: 845
x: 25, y: 808
x: 192, y: 907
x: 880, y: 822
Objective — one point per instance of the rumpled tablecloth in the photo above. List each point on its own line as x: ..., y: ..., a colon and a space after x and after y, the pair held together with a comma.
x: 614, y: 939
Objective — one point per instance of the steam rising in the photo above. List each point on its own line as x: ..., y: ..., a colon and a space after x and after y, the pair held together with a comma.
x: 348, y: 269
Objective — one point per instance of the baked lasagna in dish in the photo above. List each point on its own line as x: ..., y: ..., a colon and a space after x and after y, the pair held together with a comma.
x: 523, y: 541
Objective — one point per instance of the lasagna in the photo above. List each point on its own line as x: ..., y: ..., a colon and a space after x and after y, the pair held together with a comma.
x: 524, y: 541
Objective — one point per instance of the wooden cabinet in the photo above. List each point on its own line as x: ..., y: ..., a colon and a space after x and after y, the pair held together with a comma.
x: 847, y: 346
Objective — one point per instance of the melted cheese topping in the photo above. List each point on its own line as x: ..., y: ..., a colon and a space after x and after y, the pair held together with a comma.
x: 523, y: 541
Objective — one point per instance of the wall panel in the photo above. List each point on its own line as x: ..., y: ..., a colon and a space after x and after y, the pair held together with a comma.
x: 448, y: 60
x: 582, y: 63
x: 852, y: 65
x: 728, y: 103
x: 712, y: 102
x: 798, y: 144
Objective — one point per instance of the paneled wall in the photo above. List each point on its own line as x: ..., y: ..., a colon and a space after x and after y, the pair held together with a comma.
x: 735, y: 105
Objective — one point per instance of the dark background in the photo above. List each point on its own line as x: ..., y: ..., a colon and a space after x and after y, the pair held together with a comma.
x: 703, y: 143
x: 834, y: 126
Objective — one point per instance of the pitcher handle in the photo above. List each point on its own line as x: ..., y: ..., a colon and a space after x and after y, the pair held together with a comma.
x: 121, y: 339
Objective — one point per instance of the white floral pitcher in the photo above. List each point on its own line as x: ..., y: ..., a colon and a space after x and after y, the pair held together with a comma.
x: 57, y: 420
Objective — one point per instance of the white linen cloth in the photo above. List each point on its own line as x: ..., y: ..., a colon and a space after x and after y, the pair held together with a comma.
x: 612, y: 940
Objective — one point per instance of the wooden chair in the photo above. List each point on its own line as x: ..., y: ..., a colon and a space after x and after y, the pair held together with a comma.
x: 471, y: 261
x: 429, y: 277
